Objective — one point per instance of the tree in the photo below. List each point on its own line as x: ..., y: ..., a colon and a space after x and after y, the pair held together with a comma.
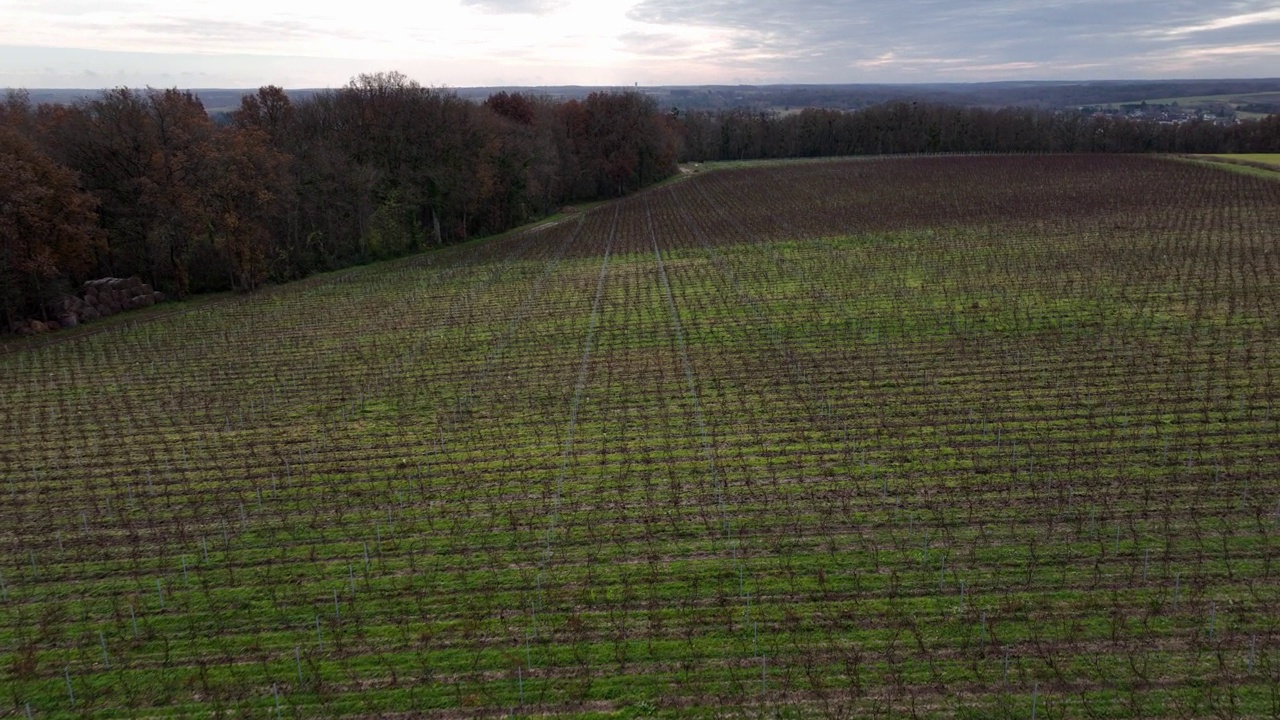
x: 268, y: 110
x: 623, y: 142
x: 48, y: 228
x: 245, y: 185
x: 513, y: 106
x: 142, y: 155
x: 16, y: 113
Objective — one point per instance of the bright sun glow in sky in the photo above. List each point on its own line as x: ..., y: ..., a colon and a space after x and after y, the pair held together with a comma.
x: 238, y: 43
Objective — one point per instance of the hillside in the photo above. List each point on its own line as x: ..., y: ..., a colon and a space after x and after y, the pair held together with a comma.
x: 1048, y: 94
x: 951, y: 436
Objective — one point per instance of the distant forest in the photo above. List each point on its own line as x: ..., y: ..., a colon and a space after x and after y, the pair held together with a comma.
x: 146, y: 183
x: 917, y: 127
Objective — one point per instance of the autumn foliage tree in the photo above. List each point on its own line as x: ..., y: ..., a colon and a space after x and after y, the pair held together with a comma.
x: 246, y: 186
x: 380, y: 167
x: 144, y: 154
x: 268, y: 110
x: 48, y: 226
x: 623, y: 141
x: 516, y: 107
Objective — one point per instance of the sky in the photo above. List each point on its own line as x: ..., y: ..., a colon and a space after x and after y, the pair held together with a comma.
x: 466, y: 43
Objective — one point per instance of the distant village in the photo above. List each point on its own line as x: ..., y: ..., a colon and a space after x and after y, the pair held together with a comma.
x: 1220, y: 113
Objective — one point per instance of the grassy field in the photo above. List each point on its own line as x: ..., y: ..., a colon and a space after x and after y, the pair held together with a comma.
x: 1207, y: 102
x: 939, y: 437
x: 1263, y: 165
x: 1201, y: 99
x: 1272, y: 159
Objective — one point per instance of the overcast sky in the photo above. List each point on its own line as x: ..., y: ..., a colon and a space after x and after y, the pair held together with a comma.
x: 247, y: 43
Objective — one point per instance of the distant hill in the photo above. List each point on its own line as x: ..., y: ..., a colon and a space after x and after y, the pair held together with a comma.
x: 216, y: 100
x: 1046, y: 94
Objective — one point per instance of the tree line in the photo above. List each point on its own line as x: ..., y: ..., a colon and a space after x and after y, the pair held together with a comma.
x: 146, y: 183
x: 914, y: 127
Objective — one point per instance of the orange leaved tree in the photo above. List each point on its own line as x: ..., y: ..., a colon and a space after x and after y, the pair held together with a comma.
x: 48, y: 227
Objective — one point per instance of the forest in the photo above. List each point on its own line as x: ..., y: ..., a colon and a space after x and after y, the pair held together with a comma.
x: 917, y: 127
x: 144, y: 183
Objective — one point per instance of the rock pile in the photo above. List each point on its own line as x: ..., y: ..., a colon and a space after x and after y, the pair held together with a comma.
x: 97, y: 299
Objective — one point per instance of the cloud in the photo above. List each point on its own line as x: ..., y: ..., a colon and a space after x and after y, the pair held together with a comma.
x: 73, y: 68
x: 221, y: 31
x: 852, y: 40
x: 1263, y: 17
x: 475, y: 42
x: 515, y: 7
x: 655, y: 44
x: 75, y: 8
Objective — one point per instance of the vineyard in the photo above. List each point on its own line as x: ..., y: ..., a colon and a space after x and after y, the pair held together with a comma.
x: 933, y: 437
